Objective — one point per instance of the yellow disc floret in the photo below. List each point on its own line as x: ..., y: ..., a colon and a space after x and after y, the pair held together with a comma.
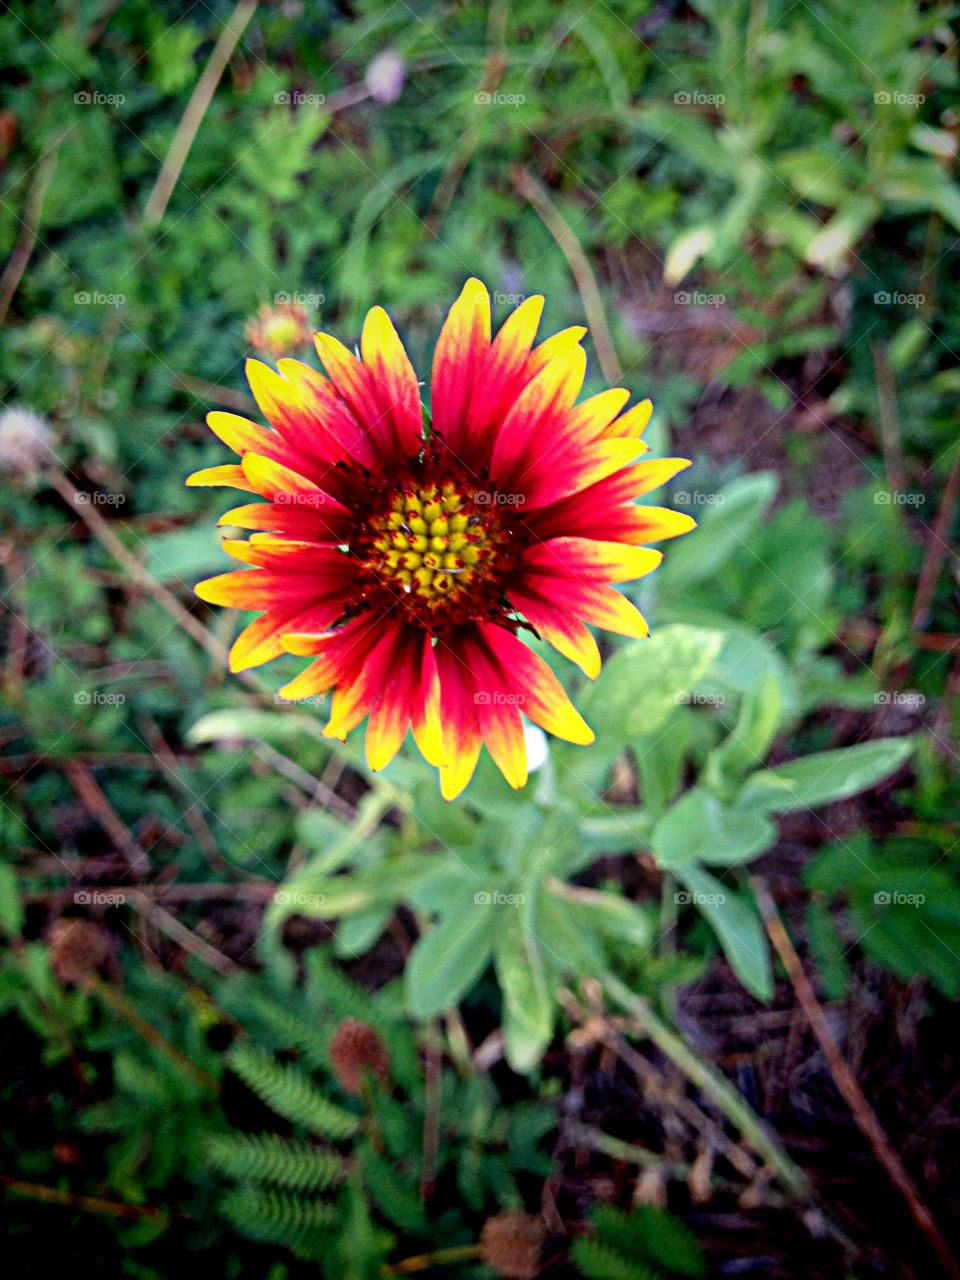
x: 430, y: 544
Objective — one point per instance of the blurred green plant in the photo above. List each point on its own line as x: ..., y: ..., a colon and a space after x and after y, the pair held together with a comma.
x: 768, y: 196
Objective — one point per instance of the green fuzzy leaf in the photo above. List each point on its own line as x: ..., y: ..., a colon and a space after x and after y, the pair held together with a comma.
x: 528, y: 1005
x: 737, y: 926
x: 700, y: 828
x: 641, y: 685
x: 447, y: 960
x: 652, y: 1234
x: 395, y: 1194
x: 823, y: 778
x: 280, y: 1217
x: 722, y: 529
x: 11, y: 908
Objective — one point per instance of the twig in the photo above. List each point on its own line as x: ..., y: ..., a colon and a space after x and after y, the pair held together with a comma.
x: 207, y: 391
x: 938, y: 546
x: 846, y: 1082
x: 537, y: 195
x: 425, y: 1261
x: 629, y: 1152
x: 432, y: 1086
x: 161, y: 594
x: 712, y: 1083
x: 259, y: 891
x: 187, y: 939
x: 869, y: 633
x: 890, y: 441
x: 196, y: 109
x: 92, y: 1204
x: 606, y: 1029
x: 698, y: 1119
x: 33, y: 212
x: 92, y: 797
x: 106, y: 759
x: 193, y: 813
x: 315, y: 788
x: 149, y: 1033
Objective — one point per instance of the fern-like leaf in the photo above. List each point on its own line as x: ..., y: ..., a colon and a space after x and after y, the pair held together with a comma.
x: 330, y: 988
x: 279, y: 1217
x: 292, y: 1029
x: 600, y: 1262
x: 660, y: 1238
x: 287, y: 1091
x: 266, y: 1157
x: 395, y: 1194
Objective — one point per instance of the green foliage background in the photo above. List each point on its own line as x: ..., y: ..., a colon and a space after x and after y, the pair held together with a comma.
x: 766, y: 198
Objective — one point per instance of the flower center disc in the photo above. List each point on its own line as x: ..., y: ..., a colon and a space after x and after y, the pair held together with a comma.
x: 434, y: 543
x: 430, y: 544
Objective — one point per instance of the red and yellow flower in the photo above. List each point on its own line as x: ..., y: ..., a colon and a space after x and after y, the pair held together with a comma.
x: 407, y: 560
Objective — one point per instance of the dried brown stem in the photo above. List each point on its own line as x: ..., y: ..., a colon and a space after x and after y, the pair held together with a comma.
x: 158, y: 592
x: 196, y: 109
x: 846, y: 1082
x: 89, y: 793
x: 938, y: 547
x: 92, y: 1204
x: 537, y: 195
x: 30, y: 229
x: 117, y: 1003
x: 432, y: 1084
